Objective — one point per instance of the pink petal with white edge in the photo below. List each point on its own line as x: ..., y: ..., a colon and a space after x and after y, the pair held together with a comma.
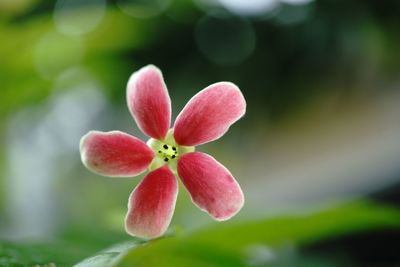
x: 115, y: 154
x: 149, y: 102
x: 209, y: 114
x: 152, y: 203
x: 211, y: 186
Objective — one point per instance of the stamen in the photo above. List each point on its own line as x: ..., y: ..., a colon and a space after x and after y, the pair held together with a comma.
x: 167, y: 152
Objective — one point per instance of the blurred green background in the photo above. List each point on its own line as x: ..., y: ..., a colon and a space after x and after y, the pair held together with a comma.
x: 317, y: 154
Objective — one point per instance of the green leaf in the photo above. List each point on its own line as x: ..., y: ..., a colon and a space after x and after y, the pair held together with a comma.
x: 32, y: 254
x: 232, y: 244
x: 108, y: 256
x: 65, y: 250
x: 270, y: 242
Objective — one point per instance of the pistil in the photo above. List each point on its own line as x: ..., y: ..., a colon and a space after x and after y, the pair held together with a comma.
x: 167, y: 151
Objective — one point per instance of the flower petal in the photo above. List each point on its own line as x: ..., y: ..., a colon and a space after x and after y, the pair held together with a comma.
x: 209, y: 114
x: 152, y: 203
x: 211, y: 186
x: 149, y: 102
x: 115, y: 154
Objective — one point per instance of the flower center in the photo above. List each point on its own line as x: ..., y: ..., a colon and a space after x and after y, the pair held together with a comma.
x: 167, y: 152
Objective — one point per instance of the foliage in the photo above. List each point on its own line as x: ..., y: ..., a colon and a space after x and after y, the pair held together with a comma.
x: 272, y: 241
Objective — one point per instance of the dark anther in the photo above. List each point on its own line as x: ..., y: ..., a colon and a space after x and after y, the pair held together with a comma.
x: 173, y: 156
x: 165, y: 159
x: 159, y: 151
x: 165, y: 146
x: 174, y: 148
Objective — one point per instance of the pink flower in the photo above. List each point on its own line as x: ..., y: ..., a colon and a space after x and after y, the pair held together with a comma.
x: 169, y: 152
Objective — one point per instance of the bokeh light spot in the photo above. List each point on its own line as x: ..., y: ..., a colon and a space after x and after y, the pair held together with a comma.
x: 260, y: 255
x: 74, y: 17
x: 292, y: 14
x: 225, y: 39
x: 296, y: 2
x: 55, y: 52
x: 249, y: 7
x: 143, y: 8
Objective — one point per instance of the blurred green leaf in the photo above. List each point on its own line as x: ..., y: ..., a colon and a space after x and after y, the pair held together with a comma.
x: 230, y: 244
x: 32, y: 254
x: 108, y: 256
x: 66, y: 250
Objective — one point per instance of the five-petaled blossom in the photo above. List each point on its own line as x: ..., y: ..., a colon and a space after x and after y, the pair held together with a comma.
x: 169, y: 152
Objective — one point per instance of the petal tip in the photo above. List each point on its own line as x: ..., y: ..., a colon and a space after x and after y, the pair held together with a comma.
x: 233, y: 213
x: 234, y: 87
x: 142, y: 233
x: 149, y: 67
x: 82, y: 148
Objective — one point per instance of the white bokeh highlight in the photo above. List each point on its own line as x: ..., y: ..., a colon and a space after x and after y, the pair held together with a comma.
x: 76, y: 18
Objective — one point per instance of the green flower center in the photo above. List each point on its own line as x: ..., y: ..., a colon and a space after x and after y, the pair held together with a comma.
x: 167, y: 152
